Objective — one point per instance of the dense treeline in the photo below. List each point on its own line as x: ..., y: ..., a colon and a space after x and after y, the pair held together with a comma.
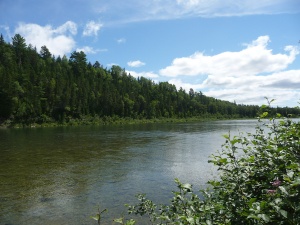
x: 36, y: 87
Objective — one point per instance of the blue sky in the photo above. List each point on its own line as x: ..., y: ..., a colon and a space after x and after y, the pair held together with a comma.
x: 235, y: 50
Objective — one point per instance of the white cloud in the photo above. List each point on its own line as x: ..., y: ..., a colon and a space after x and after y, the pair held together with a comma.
x: 186, y: 86
x: 112, y: 64
x: 289, y: 79
x: 121, y: 40
x: 92, y: 28
x: 58, y: 40
x: 68, y: 26
x: 136, y: 63
x: 254, y: 59
x: 246, y: 76
x: 142, y: 74
x: 283, y: 97
x: 7, y: 30
x: 170, y: 9
x: 282, y: 86
x: 90, y: 50
x: 216, y: 8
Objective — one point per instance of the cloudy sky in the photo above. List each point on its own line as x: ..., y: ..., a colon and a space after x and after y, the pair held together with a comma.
x: 236, y: 50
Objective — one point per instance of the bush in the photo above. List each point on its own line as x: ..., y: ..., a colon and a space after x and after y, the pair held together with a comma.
x: 259, y: 183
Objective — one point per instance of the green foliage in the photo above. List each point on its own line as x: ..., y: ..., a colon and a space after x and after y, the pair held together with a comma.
x: 122, y: 221
x: 259, y: 182
x: 99, y: 215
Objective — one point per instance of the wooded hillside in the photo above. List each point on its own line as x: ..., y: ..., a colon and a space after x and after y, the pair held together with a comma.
x: 36, y: 87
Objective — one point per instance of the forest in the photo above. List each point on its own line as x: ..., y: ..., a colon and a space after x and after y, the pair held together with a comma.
x: 39, y: 88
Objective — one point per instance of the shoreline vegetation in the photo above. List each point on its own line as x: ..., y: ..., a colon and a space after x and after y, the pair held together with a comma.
x: 39, y: 89
x: 96, y: 121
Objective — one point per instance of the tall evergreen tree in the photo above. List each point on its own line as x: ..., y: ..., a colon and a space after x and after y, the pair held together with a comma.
x: 19, y: 45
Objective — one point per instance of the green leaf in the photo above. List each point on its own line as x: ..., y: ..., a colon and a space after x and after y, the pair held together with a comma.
x: 252, y: 216
x: 190, y: 220
x: 290, y: 174
x: 264, y: 114
x: 208, y: 222
x: 283, y: 190
x: 234, y: 141
x: 97, y: 217
x: 251, y: 201
x: 119, y: 220
x: 226, y: 136
x: 223, y: 160
x: 177, y: 181
x: 163, y: 217
x: 296, y: 183
x: 278, y: 200
x: 188, y: 187
x: 272, y: 100
x: 283, y: 213
x: 286, y: 178
x: 265, y: 217
x: 130, y: 222
x: 263, y: 204
x: 251, y: 158
x: 264, y: 106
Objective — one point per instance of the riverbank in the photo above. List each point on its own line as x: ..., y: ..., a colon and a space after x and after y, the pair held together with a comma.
x: 90, y: 120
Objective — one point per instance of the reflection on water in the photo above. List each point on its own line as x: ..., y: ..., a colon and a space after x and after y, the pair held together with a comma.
x: 61, y: 175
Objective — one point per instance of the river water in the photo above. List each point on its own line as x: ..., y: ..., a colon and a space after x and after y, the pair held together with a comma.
x: 61, y: 175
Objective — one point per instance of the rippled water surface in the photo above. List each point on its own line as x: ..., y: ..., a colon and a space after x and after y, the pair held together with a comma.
x: 61, y: 175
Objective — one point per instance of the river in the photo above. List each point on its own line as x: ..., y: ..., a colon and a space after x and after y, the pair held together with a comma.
x: 61, y: 175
